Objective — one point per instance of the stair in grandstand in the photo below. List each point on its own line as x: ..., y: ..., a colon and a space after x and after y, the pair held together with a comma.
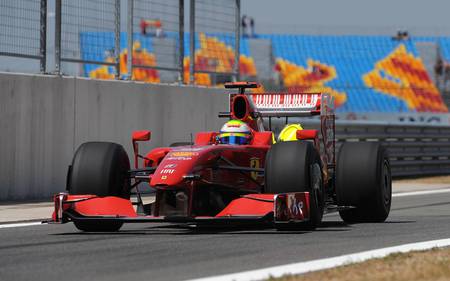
x: 262, y: 54
x: 428, y: 52
x: 446, y: 96
x: 165, y: 50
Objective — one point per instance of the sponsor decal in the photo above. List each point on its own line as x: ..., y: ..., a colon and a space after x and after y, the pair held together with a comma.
x: 179, y: 158
x: 183, y: 153
x: 254, y: 163
x: 167, y: 171
x: 190, y: 149
x: 169, y: 166
x: 291, y: 207
x: 164, y: 177
x: 295, y: 206
x: 284, y: 101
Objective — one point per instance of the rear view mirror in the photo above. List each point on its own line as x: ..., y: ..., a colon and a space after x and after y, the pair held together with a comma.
x: 141, y: 135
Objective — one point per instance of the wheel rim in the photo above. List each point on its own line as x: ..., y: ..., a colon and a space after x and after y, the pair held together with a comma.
x: 316, y: 184
x: 386, y: 181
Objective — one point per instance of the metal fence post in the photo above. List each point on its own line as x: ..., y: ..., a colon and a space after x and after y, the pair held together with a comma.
x: 43, y: 37
x: 237, y: 50
x: 130, y: 40
x: 192, y: 43
x: 181, y: 42
x: 117, y: 38
x: 58, y: 36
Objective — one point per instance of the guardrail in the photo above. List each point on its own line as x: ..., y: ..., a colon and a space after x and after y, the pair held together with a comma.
x: 413, y: 149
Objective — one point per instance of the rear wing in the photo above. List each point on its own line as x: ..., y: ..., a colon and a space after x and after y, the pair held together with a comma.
x: 287, y: 104
x: 299, y: 105
x: 282, y: 104
x: 252, y: 107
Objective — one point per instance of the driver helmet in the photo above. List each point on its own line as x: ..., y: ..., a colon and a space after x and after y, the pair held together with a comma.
x: 235, y: 132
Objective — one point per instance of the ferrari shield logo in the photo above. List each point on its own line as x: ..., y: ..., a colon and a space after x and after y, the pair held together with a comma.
x: 254, y: 163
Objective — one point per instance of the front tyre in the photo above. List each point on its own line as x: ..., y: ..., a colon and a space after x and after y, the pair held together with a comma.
x: 295, y: 166
x: 99, y: 168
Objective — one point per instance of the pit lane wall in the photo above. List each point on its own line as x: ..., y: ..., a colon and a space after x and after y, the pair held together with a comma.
x: 43, y: 119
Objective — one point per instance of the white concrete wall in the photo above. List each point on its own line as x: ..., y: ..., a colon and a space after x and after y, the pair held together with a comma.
x: 43, y: 119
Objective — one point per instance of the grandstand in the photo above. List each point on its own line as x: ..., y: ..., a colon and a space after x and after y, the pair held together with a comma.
x: 364, y: 73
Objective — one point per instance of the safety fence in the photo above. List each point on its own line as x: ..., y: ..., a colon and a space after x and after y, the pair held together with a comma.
x: 144, y: 40
x: 156, y: 41
x: 87, y: 32
x: 23, y: 26
x: 216, y: 31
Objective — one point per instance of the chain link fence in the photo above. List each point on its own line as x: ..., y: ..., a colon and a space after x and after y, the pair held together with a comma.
x: 215, y: 31
x: 88, y: 32
x: 156, y: 40
x: 142, y: 40
x: 23, y: 29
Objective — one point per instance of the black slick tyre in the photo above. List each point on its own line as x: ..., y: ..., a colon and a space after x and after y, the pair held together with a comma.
x: 99, y: 168
x: 363, y: 180
x: 295, y: 166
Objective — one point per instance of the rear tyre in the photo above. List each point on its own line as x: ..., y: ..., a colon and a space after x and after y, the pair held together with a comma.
x: 295, y: 167
x: 363, y: 180
x: 99, y: 168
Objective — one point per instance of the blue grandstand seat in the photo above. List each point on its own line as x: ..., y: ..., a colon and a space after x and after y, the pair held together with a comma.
x: 352, y: 56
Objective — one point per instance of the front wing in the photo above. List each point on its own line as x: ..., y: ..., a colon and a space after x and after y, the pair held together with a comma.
x: 251, y: 208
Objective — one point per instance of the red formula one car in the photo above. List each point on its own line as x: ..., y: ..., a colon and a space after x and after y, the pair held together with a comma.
x: 240, y: 176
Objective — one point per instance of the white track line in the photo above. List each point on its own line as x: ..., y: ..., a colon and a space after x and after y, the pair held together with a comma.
x: 9, y: 225
x: 425, y: 192
x: 321, y: 264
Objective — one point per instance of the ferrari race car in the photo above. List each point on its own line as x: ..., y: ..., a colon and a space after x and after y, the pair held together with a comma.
x: 288, y: 181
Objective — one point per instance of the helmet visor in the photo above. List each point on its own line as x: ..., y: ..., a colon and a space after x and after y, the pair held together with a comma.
x: 234, y: 139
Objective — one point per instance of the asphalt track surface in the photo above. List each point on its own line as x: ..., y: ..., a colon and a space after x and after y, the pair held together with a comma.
x: 161, y: 252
